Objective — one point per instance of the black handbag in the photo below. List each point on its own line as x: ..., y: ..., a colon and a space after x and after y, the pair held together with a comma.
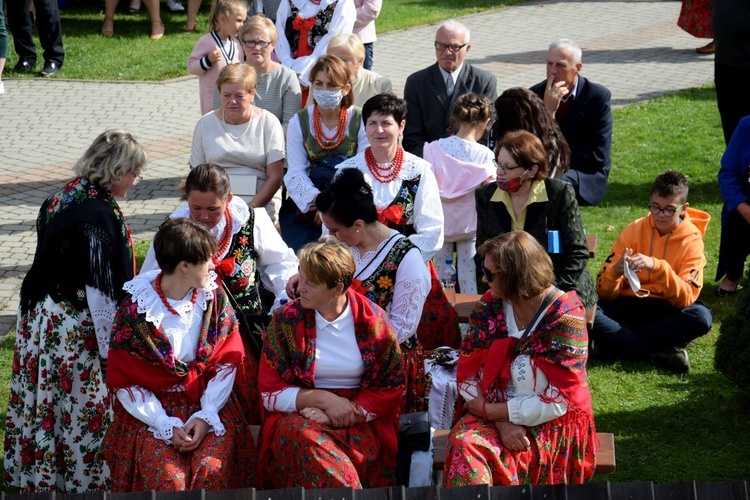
x: 414, y: 431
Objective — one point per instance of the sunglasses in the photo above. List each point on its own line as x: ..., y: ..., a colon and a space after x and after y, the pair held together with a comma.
x: 489, y: 274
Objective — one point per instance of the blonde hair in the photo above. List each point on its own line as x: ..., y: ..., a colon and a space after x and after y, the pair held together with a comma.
x: 523, y: 269
x: 241, y: 73
x: 259, y: 22
x: 112, y: 155
x: 350, y: 42
x: 327, y: 261
x: 226, y: 7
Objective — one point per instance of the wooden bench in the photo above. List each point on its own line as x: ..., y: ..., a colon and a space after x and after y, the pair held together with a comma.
x: 605, y: 453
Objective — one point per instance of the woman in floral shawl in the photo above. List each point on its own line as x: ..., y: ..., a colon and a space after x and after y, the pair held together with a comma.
x: 332, y: 379
x: 522, y: 373
x: 173, y: 357
x: 251, y: 259
x: 59, y: 409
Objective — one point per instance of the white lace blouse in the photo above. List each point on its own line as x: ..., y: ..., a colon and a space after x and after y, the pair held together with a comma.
x: 297, y: 179
x: 183, y: 331
x: 410, y: 289
x: 427, y: 218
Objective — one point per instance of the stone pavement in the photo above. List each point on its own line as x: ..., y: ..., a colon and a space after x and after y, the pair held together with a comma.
x: 631, y: 46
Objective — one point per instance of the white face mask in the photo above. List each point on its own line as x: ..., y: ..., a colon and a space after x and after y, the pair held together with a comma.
x: 327, y: 99
x: 635, y: 282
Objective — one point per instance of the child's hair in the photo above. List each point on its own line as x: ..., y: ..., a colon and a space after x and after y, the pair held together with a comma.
x: 671, y: 183
x: 226, y: 7
x: 470, y: 108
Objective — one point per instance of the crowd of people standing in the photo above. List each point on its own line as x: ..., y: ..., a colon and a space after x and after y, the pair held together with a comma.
x: 243, y: 315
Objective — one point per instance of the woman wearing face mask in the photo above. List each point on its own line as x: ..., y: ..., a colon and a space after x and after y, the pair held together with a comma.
x: 526, y: 198
x: 319, y: 137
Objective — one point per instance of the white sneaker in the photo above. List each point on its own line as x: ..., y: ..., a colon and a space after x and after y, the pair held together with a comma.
x: 2, y: 88
x: 175, y: 6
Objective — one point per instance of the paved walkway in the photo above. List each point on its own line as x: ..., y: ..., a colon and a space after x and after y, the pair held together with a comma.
x: 633, y: 47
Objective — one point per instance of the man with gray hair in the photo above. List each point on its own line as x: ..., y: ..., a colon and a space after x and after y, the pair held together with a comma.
x: 582, y: 109
x: 430, y: 92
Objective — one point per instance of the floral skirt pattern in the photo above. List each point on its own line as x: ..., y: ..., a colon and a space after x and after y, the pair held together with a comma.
x: 139, y: 461
x: 439, y: 324
x: 415, y: 397
x: 695, y: 18
x: 58, y: 410
x: 562, y: 450
x: 305, y: 453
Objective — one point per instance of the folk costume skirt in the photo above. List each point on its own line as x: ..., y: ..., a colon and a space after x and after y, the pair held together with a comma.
x: 58, y: 410
x: 562, y: 450
x: 139, y: 461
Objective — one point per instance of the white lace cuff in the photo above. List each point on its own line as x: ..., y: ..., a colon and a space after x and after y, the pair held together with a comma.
x: 165, y: 427
x: 210, y: 415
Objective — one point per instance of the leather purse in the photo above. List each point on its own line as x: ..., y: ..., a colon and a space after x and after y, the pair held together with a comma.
x: 414, y: 431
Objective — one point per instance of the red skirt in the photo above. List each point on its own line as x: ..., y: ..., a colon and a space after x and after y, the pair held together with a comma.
x: 562, y: 450
x: 316, y: 456
x: 138, y: 461
x: 439, y: 324
x: 695, y: 18
x: 246, y: 387
x: 416, y: 387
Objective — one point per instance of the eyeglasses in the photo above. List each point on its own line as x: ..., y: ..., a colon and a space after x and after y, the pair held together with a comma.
x: 505, y: 168
x: 669, y: 212
x: 256, y: 43
x: 489, y: 273
x: 454, y: 47
x: 136, y: 178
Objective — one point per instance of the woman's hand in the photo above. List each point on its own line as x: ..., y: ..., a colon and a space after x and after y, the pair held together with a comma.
x: 291, y: 286
x: 476, y: 406
x: 316, y: 415
x: 513, y: 436
x: 196, y: 431
x: 490, y: 412
x: 341, y: 411
x: 180, y: 438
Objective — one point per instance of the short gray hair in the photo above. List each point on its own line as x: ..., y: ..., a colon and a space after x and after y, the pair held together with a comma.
x: 112, y: 155
x: 453, y: 25
x: 573, y: 47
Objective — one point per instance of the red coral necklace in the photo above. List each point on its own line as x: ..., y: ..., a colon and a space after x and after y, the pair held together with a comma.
x: 160, y: 293
x: 226, y: 235
x: 325, y: 142
x: 388, y: 173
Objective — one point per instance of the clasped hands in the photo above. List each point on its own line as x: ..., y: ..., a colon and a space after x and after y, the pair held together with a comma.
x: 188, y: 438
x: 512, y: 436
x: 337, y: 412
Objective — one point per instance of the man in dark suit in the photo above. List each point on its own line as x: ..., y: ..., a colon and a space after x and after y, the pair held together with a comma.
x: 583, y: 111
x: 430, y: 92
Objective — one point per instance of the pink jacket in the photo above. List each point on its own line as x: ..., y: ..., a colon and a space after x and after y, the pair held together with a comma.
x: 457, y: 181
x: 367, y: 12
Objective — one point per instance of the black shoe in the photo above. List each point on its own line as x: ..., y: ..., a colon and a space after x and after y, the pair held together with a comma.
x: 50, y: 68
x: 24, y: 66
x: 673, y: 359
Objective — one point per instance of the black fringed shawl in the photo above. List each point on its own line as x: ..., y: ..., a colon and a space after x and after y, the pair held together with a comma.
x: 82, y: 239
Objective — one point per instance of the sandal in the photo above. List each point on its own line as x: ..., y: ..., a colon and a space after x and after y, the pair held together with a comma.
x: 157, y: 35
x: 190, y: 30
x: 709, y: 48
x: 111, y: 31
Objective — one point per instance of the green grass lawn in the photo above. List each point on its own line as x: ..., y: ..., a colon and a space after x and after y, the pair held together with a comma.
x: 131, y: 55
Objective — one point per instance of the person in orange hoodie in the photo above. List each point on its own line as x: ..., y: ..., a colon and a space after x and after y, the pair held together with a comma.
x: 650, y: 282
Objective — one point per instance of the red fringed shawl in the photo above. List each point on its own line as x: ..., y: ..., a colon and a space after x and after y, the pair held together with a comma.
x: 289, y: 361
x: 140, y: 354
x: 558, y: 346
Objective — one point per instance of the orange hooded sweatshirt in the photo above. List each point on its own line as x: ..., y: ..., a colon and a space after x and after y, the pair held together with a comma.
x: 678, y: 256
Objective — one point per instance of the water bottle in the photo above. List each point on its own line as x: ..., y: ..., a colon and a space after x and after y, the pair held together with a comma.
x: 448, y: 280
